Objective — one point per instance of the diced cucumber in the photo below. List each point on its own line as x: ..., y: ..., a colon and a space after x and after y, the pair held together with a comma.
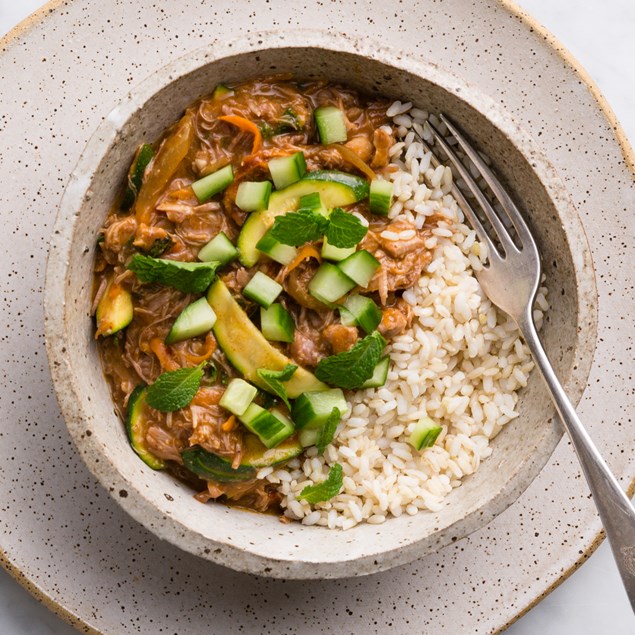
x: 309, y: 437
x: 424, y: 434
x: 360, y: 267
x: 380, y: 197
x: 220, y: 249
x: 314, y: 203
x: 336, y: 189
x: 253, y: 196
x: 380, y: 374
x: 262, y: 289
x: 246, y: 348
x: 287, y: 170
x: 277, y: 324
x: 329, y: 284
x: 213, y: 183
x: 346, y: 317
x: 364, y: 310
x: 331, y: 124
x: 137, y: 426
x: 195, y: 319
x: 221, y: 90
x: 271, y: 427
x: 238, y: 396
x: 277, y: 251
x: 312, y: 409
x: 114, y: 311
x: 142, y: 159
x: 330, y: 252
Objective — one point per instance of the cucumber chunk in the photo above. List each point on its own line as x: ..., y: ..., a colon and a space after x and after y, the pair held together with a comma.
x: 360, y: 267
x: 276, y: 250
x: 195, y: 319
x: 329, y: 284
x: 330, y: 252
x: 331, y: 124
x: 137, y: 426
x: 313, y: 202
x: 253, y: 196
x: 262, y: 289
x: 213, y: 183
x: 380, y: 197
x: 287, y: 170
x: 380, y: 374
x: 220, y: 249
x: 246, y: 348
x: 364, y: 311
x: 271, y: 427
x: 309, y: 437
x: 277, y: 324
x: 114, y: 311
x: 424, y: 434
x: 312, y: 409
x: 238, y: 396
x: 336, y: 189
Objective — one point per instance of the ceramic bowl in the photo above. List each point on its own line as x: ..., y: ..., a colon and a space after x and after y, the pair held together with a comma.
x: 260, y: 544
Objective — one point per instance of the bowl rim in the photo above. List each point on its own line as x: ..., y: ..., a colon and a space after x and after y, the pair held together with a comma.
x: 78, y: 190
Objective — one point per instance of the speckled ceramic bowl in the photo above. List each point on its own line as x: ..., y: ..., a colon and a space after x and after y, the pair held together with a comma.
x: 259, y: 543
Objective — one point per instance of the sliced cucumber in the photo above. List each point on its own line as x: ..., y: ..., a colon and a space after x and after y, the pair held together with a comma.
x: 247, y: 349
x: 114, y: 311
x: 309, y: 437
x: 336, y: 189
x: 220, y: 249
x: 424, y: 434
x: 271, y: 427
x: 329, y: 284
x: 262, y: 289
x: 380, y: 197
x: 312, y: 409
x: 221, y: 90
x: 364, y: 311
x: 238, y: 396
x: 213, y: 183
x: 142, y: 159
x: 331, y: 124
x: 277, y: 251
x: 380, y: 374
x: 329, y: 252
x: 195, y: 319
x: 253, y: 196
x: 287, y: 170
x: 360, y: 267
x: 137, y: 426
x: 277, y: 324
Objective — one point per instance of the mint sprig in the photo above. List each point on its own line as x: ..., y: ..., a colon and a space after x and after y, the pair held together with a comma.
x: 344, y: 230
x: 352, y: 368
x: 298, y: 228
x: 175, y: 389
x: 274, y: 379
x: 189, y: 277
x: 328, y: 430
x: 326, y: 489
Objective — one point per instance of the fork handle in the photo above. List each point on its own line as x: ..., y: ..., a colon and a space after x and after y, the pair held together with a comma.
x: 616, y: 511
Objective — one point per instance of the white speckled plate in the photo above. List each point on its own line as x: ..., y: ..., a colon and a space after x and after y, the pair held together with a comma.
x: 64, y: 537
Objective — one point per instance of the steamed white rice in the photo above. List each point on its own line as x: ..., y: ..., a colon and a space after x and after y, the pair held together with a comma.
x: 461, y: 363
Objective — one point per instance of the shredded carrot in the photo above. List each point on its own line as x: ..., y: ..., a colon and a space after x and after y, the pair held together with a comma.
x: 247, y: 126
x: 348, y: 155
x: 308, y: 251
x: 210, y: 347
x: 229, y: 425
x: 160, y: 350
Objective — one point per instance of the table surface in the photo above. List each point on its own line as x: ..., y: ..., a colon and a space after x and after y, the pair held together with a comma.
x: 591, y: 601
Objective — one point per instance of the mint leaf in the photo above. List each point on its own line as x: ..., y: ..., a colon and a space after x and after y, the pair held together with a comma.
x: 326, y: 489
x: 352, y: 368
x: 328, y: 430
x: 144, y: 155
x: 273, y: 379
x: 189, y: 277
x: 175, y: 389
x: 344, y: 230
x: 298, y: 228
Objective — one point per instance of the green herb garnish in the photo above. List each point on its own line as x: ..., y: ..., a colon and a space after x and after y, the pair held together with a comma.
x: 328, y: 430
x: 326, y: 489
x: 274, y: 379
x: 298, y: 228
x: 344, y: 230
x: 135, y: 176
x: 175, y: 389
x: 159, y: 246
x: 189, y: 277
x: 352, y: 368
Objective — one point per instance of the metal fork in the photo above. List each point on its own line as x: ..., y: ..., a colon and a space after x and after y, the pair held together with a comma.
x: 510, y: 279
